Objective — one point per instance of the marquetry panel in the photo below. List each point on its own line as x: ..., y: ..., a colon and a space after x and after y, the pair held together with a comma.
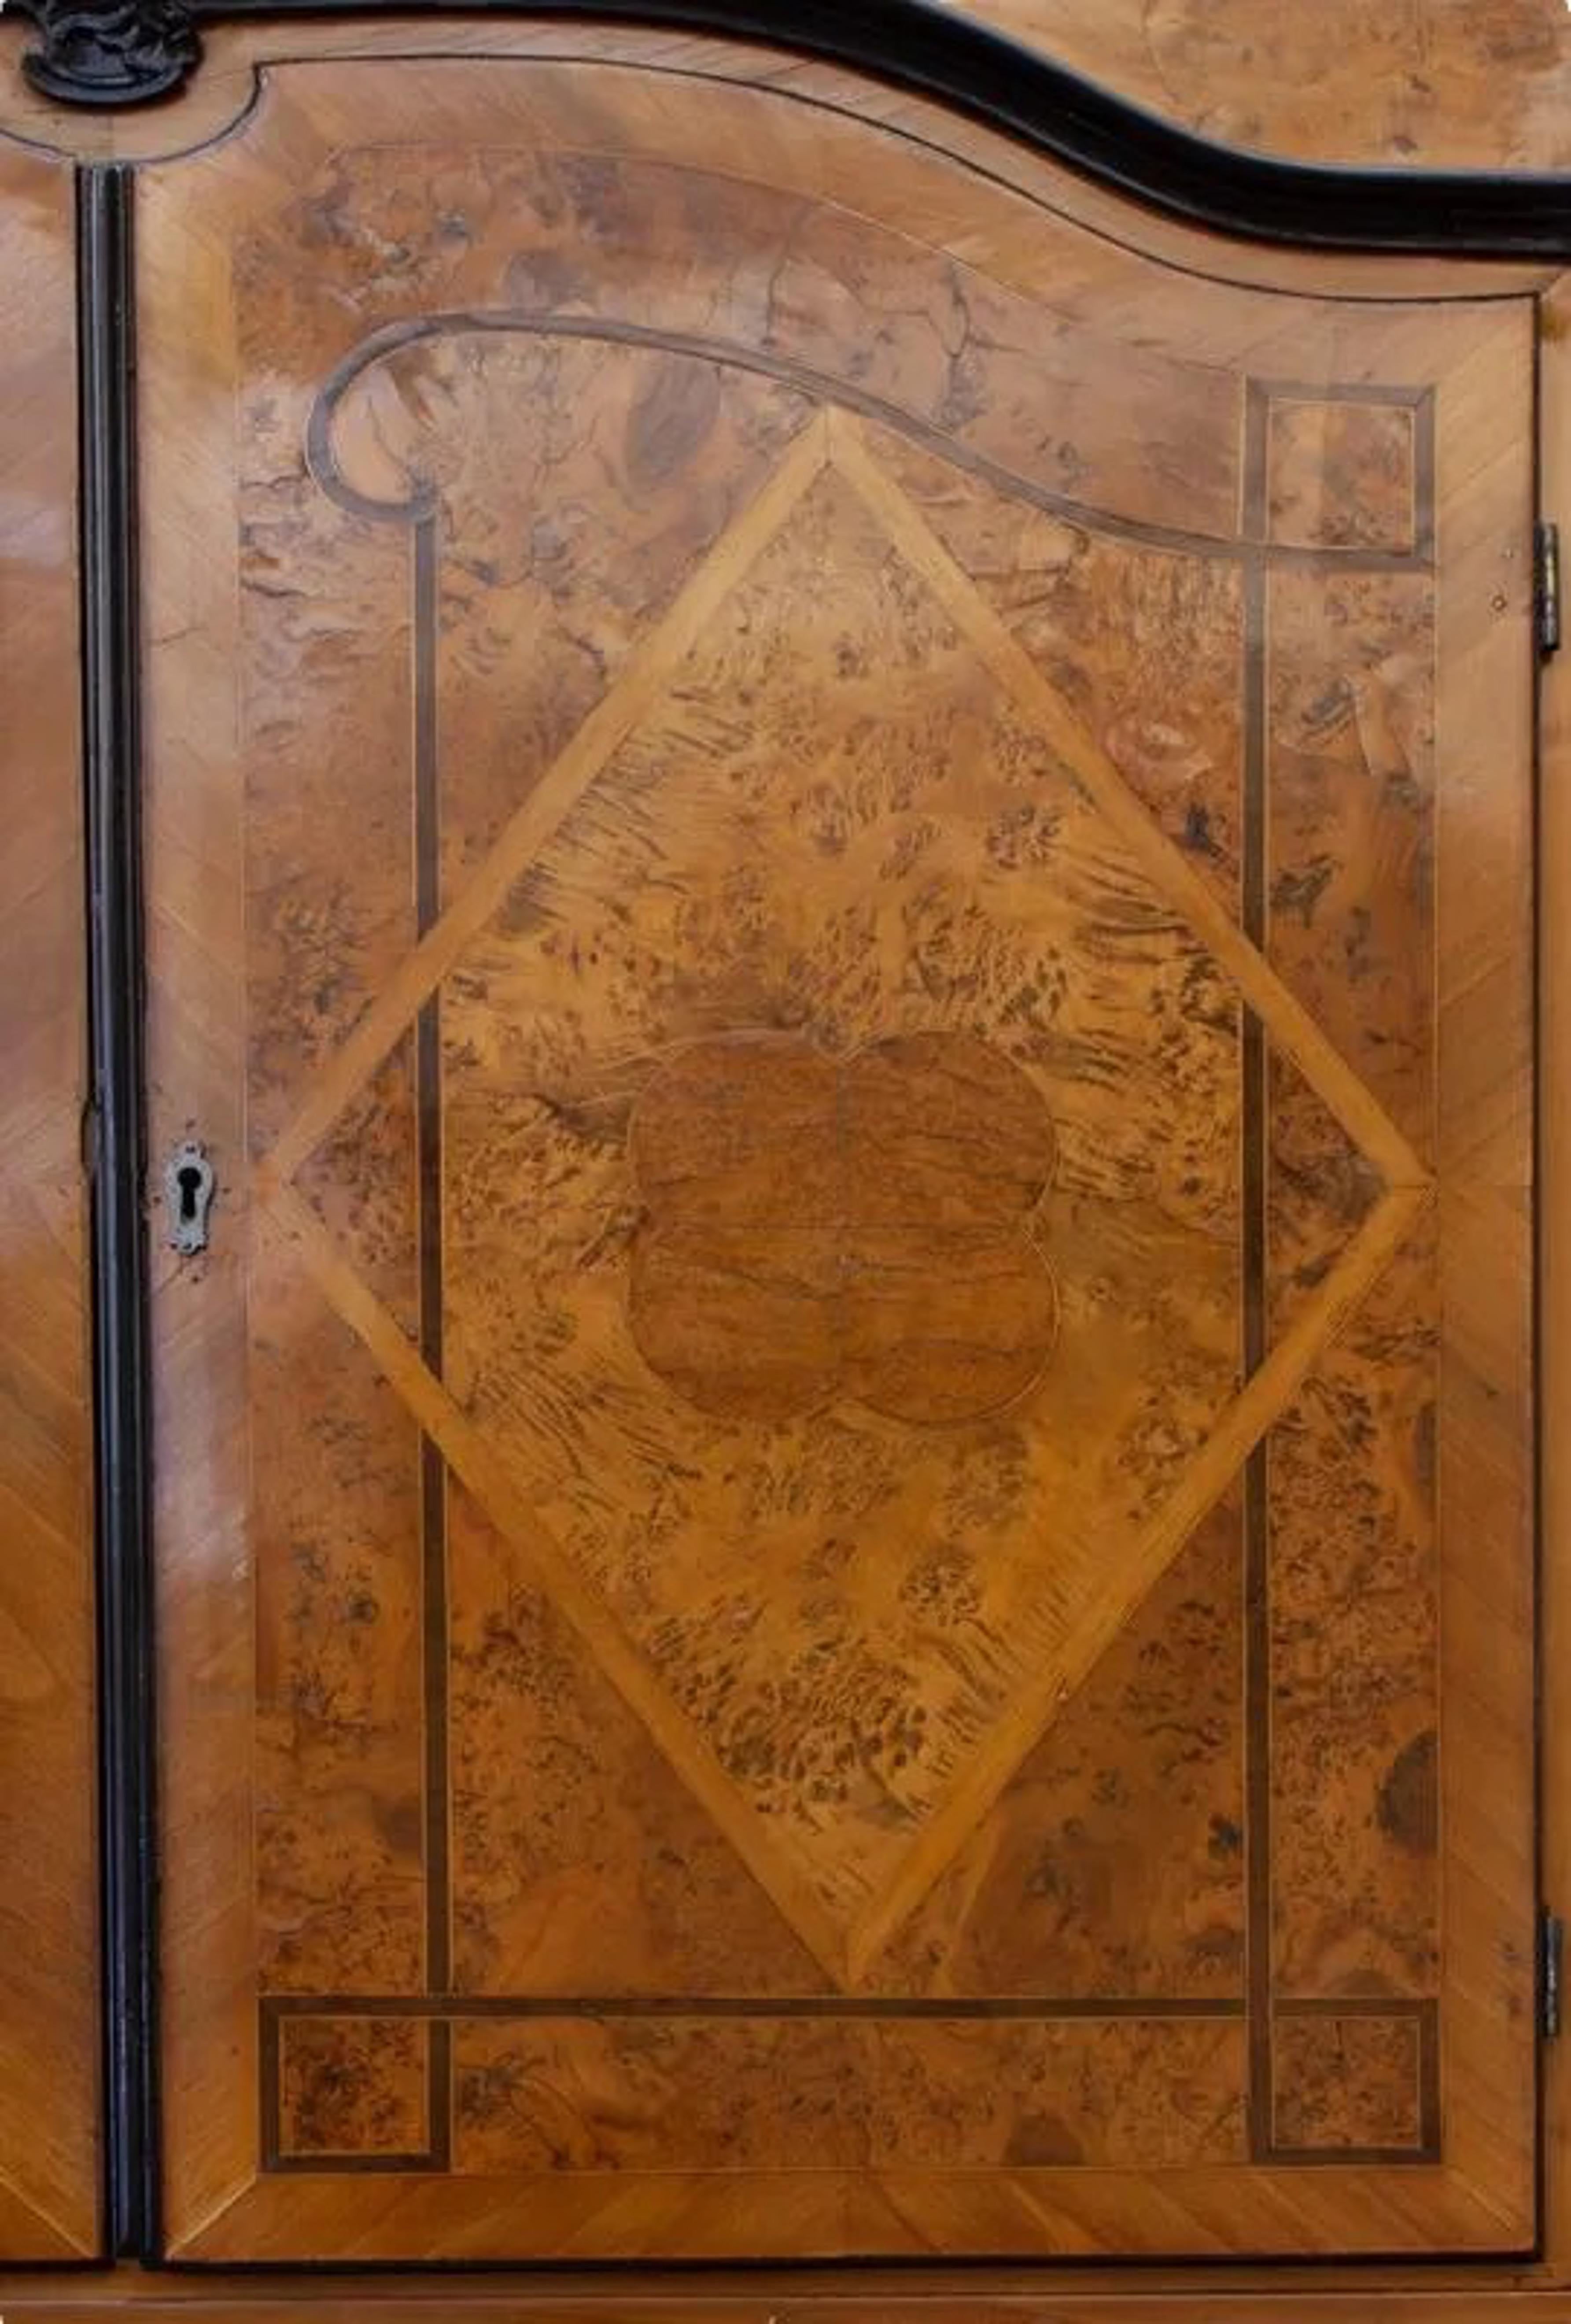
x: 48, y: 2038
x: 867, y: 1351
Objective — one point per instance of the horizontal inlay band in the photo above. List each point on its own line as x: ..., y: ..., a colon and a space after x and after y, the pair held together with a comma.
x: 884, y: 2005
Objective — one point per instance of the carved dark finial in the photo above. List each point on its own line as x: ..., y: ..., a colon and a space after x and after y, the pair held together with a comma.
x: 111, y: 51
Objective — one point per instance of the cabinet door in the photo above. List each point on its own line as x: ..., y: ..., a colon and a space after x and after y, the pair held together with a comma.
x: 840, y: 871
x: 49, y: 1901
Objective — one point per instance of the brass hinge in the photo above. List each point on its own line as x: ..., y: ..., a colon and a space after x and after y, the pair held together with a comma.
x: 1547, y: 587
x: 1551, y: 1953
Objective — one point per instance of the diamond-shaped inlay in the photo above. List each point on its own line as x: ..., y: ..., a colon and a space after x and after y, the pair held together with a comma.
x: 832, y: 1041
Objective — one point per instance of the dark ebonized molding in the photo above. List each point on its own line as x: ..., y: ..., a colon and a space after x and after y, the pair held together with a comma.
x: 116, y: 1158
x: 99, y: 52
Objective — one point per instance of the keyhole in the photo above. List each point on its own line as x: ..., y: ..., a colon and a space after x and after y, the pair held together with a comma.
x: 188, y: 1194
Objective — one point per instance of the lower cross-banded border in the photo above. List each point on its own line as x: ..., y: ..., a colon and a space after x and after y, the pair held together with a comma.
x: 435, y: 2021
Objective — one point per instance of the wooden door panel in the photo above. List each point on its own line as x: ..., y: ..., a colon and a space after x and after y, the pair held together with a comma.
x: 48, y: 1909
x: 844, y: 886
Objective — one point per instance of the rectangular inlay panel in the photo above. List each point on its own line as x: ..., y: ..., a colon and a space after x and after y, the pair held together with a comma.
x: 1348, y: 2079
x: 849, y: 1289
x: 352, y: 2089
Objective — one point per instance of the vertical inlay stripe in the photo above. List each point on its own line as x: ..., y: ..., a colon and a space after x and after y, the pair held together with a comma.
x: 1254, y: 1066
x: 425, y: 551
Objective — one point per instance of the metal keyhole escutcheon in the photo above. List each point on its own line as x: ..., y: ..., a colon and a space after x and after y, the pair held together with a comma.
x: 188, y: 1192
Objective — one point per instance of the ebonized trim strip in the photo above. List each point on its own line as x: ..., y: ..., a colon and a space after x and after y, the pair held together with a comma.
x: 116, y: 1155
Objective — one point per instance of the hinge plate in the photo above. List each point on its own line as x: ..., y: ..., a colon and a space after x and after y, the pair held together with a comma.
x: 1547, y: 587
x: 1552, y: 1956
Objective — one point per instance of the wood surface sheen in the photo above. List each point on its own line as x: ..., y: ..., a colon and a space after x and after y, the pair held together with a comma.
x: 1481, y: 84
x: 49, y: 2036
x: 842, y: 874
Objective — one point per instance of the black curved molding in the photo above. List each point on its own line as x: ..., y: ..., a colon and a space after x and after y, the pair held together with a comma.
x: 100, y: 52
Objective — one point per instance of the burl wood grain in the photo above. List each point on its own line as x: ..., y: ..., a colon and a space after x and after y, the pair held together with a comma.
x: 354, y: 2085
x: 1348, y: 2081
x: 1355, y: 1725
x: 329, y: 844
x: 1351, y: 821
x: 560, y: 1796
x: 962, y: 351
x: 362, y: 1184
x: 688, y: 2095
x: 339, y: 1848
x: 1113, y: 1861
x: 815, y: 1230
x: 1319, y: 1190
x: 1143, y: 642
x: 48, y: 2036
x: 1436, y: 82
x: 542, y: 607
x: 1343, y: 475
x: 837, y: 844
x: 717, y: 873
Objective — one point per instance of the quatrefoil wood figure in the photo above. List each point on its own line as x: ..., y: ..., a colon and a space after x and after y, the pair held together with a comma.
x: 820, y: 1230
